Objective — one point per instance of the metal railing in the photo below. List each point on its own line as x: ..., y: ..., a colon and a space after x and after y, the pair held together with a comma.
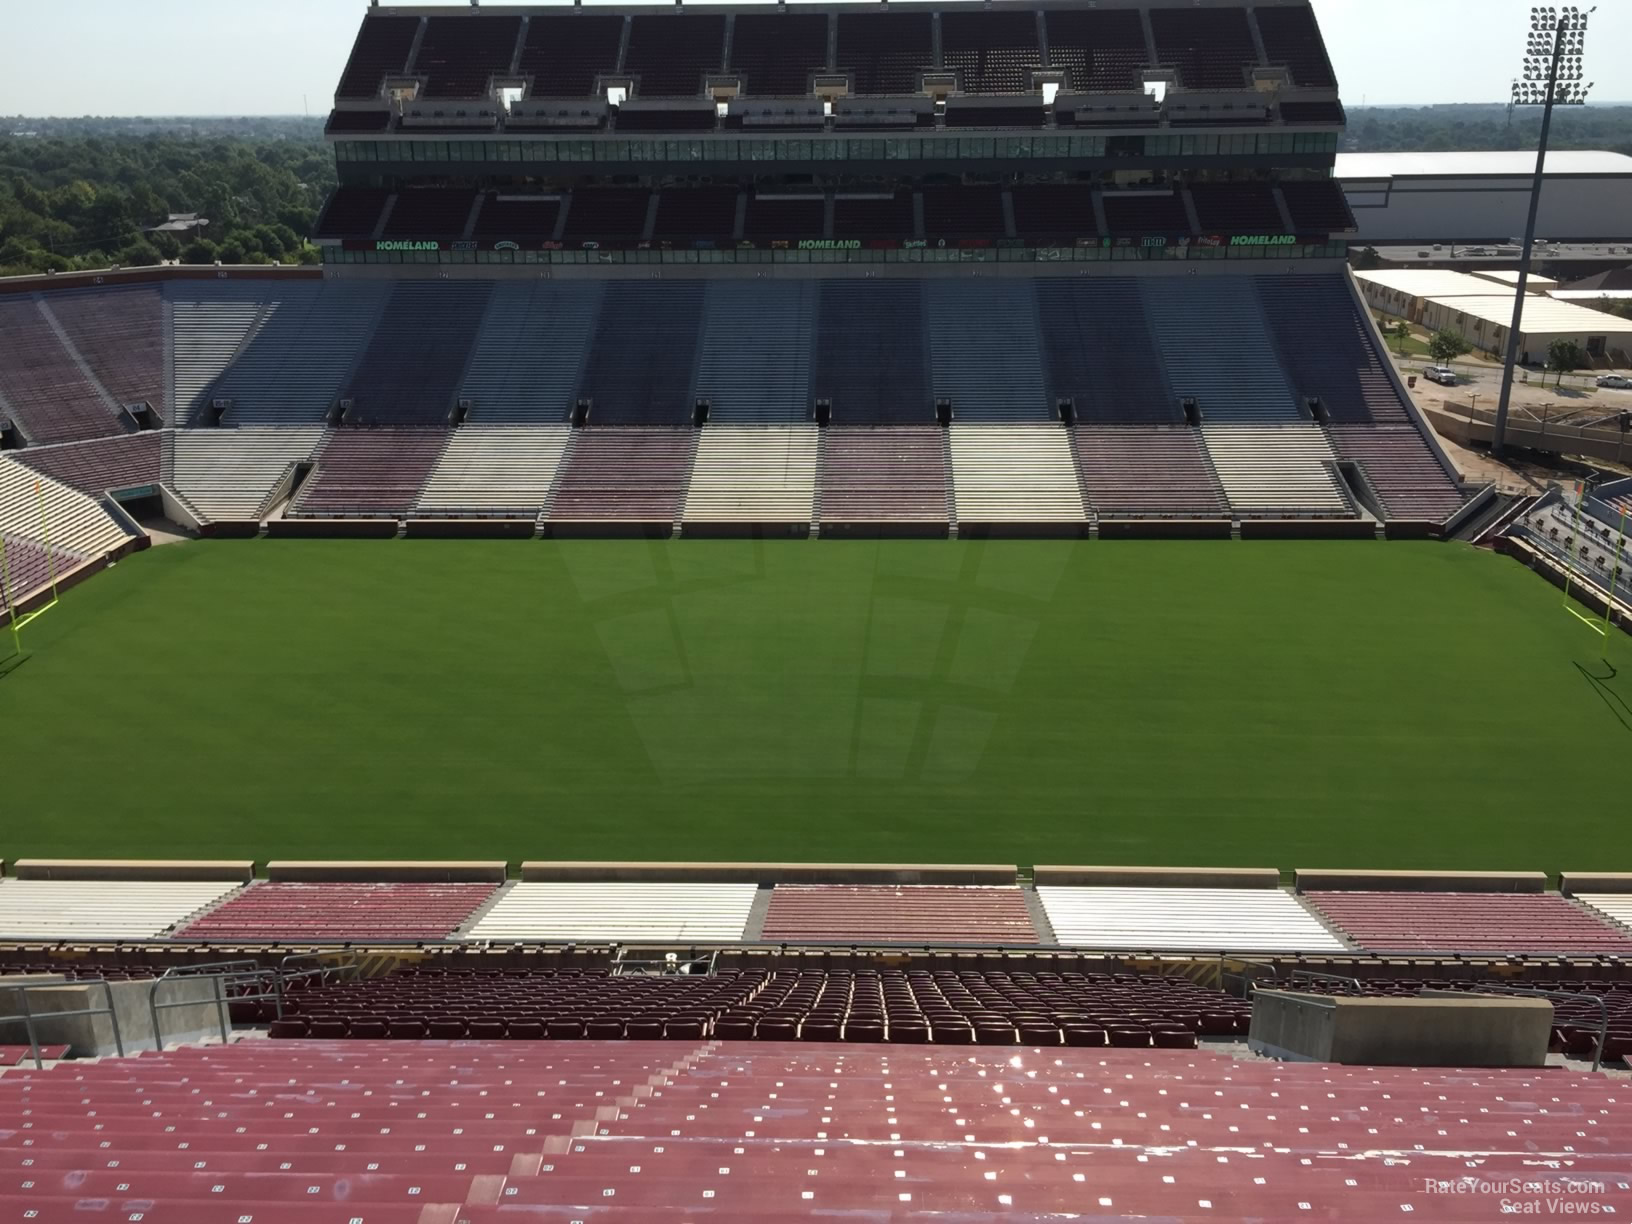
x: 27, y: 1016
x: 669, y: 964
x: 222, y: 975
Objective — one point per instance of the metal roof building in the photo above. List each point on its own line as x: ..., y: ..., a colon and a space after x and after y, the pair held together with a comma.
x: 1482, y: 197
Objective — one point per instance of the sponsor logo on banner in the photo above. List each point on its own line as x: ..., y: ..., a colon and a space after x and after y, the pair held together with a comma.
x: 830, y: 244
x: 1264, y: 240
x: 387, y: 244
x: 507, y: 245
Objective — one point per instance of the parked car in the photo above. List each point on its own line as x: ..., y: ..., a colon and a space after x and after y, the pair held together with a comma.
x: 1619, y: 381
x: 1443, y: 375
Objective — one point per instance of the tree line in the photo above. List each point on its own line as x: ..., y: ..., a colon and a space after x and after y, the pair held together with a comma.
x: 81, y: 196
x: 1483, y: 128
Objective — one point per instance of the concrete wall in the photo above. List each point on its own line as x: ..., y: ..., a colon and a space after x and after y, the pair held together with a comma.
x: 777, y: 873
x: 1487, y: 210
x: 1422, y: 881
x: 381, y: 872
x: 88, y: 1036
x: 1395, y: 1032
x: 1161, y: 877
x: 240, y: 870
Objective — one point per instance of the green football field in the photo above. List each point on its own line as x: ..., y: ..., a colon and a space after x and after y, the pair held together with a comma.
x: 1281, y: 704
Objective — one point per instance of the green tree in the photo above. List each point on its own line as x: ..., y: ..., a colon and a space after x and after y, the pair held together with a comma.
x: 1367, y: 259
x: 1445, y: 345
x: 140, y: 254
x: 200, y: 251
x: 1564, y: 355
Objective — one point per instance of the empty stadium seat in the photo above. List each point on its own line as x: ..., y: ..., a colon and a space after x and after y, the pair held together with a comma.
x: 211, y: 322
x: 530, y: 352
x: 1210, y: 48
x: 567, y: 910
x: 817, y: 913
x: 1099, y: 352
x: 1408, y: 477
x: 1277, y: 470
x: 1216, y: 348
x: 875, y: 476
x: 1014, y: 474
x: 120, y: 334
x: 870, y: 352
x: 410, y: 370
x: 1098, y: 50
x: 1189, y: 919
x: 49, y: 397
x: 76, y: 525
x: 768, y: 380
x: 753, y: 474
x: 369, y: 473
x: 984, y: 353
x: 101, y: 465
x: 771, y: 1130
x: 293, y: 367
x: 229, y: 475
x: 1501, y: 923
x: 352, y: 912
x: 1343, y: 369
x: 102, y: 909
x: 614, y: 475
x: 1131, y: 471
x: 501, y: 471
x: 1292, y: 38
x: 642, y: 361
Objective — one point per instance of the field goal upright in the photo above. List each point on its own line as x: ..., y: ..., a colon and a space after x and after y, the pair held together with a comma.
x: 1606, y: 628
x: 16, y: 621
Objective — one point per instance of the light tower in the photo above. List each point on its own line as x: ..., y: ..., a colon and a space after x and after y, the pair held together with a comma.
x: 1552, y: 77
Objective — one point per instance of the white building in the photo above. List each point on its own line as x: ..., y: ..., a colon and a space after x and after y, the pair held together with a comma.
x: 1477, y: 309
x: 1483, y: 197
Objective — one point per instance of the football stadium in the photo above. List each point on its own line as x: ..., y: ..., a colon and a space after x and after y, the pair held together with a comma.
x: 773, y: 535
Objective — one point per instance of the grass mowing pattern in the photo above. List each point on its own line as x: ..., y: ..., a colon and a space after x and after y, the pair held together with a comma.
x: 1252, y: 703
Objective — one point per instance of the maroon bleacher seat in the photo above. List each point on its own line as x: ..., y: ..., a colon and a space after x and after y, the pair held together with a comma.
x: 816, y: 913
x: 1499, y: 923
x: 341, y: 911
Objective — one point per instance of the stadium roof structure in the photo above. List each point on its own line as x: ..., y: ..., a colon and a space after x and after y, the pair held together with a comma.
x: 1510, y: 276
x: 1494, y: 164
x: 1427, y: 282
x: 1543, y: 316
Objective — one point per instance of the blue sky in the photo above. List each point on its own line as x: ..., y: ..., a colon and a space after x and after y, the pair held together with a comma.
x: 215, y: 57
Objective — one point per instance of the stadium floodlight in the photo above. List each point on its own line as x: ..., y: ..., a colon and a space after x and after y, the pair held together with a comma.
x: 1553, y: 76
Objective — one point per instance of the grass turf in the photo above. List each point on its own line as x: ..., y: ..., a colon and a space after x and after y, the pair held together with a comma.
x: 1268, y: 703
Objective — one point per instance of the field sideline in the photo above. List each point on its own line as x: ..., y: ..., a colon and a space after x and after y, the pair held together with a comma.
x: 1270, y: 703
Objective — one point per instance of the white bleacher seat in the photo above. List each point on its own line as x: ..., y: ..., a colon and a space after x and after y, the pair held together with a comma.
x: 753, y: 473
x: 228, y: 474
x: 530, y: 350
x: 1274, y: 470
x: 210, y: 323
x: 77, y: 524
x: 1194, y: 919
x: 1617, y: 907
x: 495, y: 471
x: 102, y: 909
x: 309, y: 338
x: 1014, y: 473
x: 1215, y: 346
x: 618, y: 911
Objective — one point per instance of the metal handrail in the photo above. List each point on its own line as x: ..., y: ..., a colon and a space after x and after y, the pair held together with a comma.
x: 1568, y: 995
x: 219, y: 973
x: 27, y: 1016
x: 1314, y: 975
